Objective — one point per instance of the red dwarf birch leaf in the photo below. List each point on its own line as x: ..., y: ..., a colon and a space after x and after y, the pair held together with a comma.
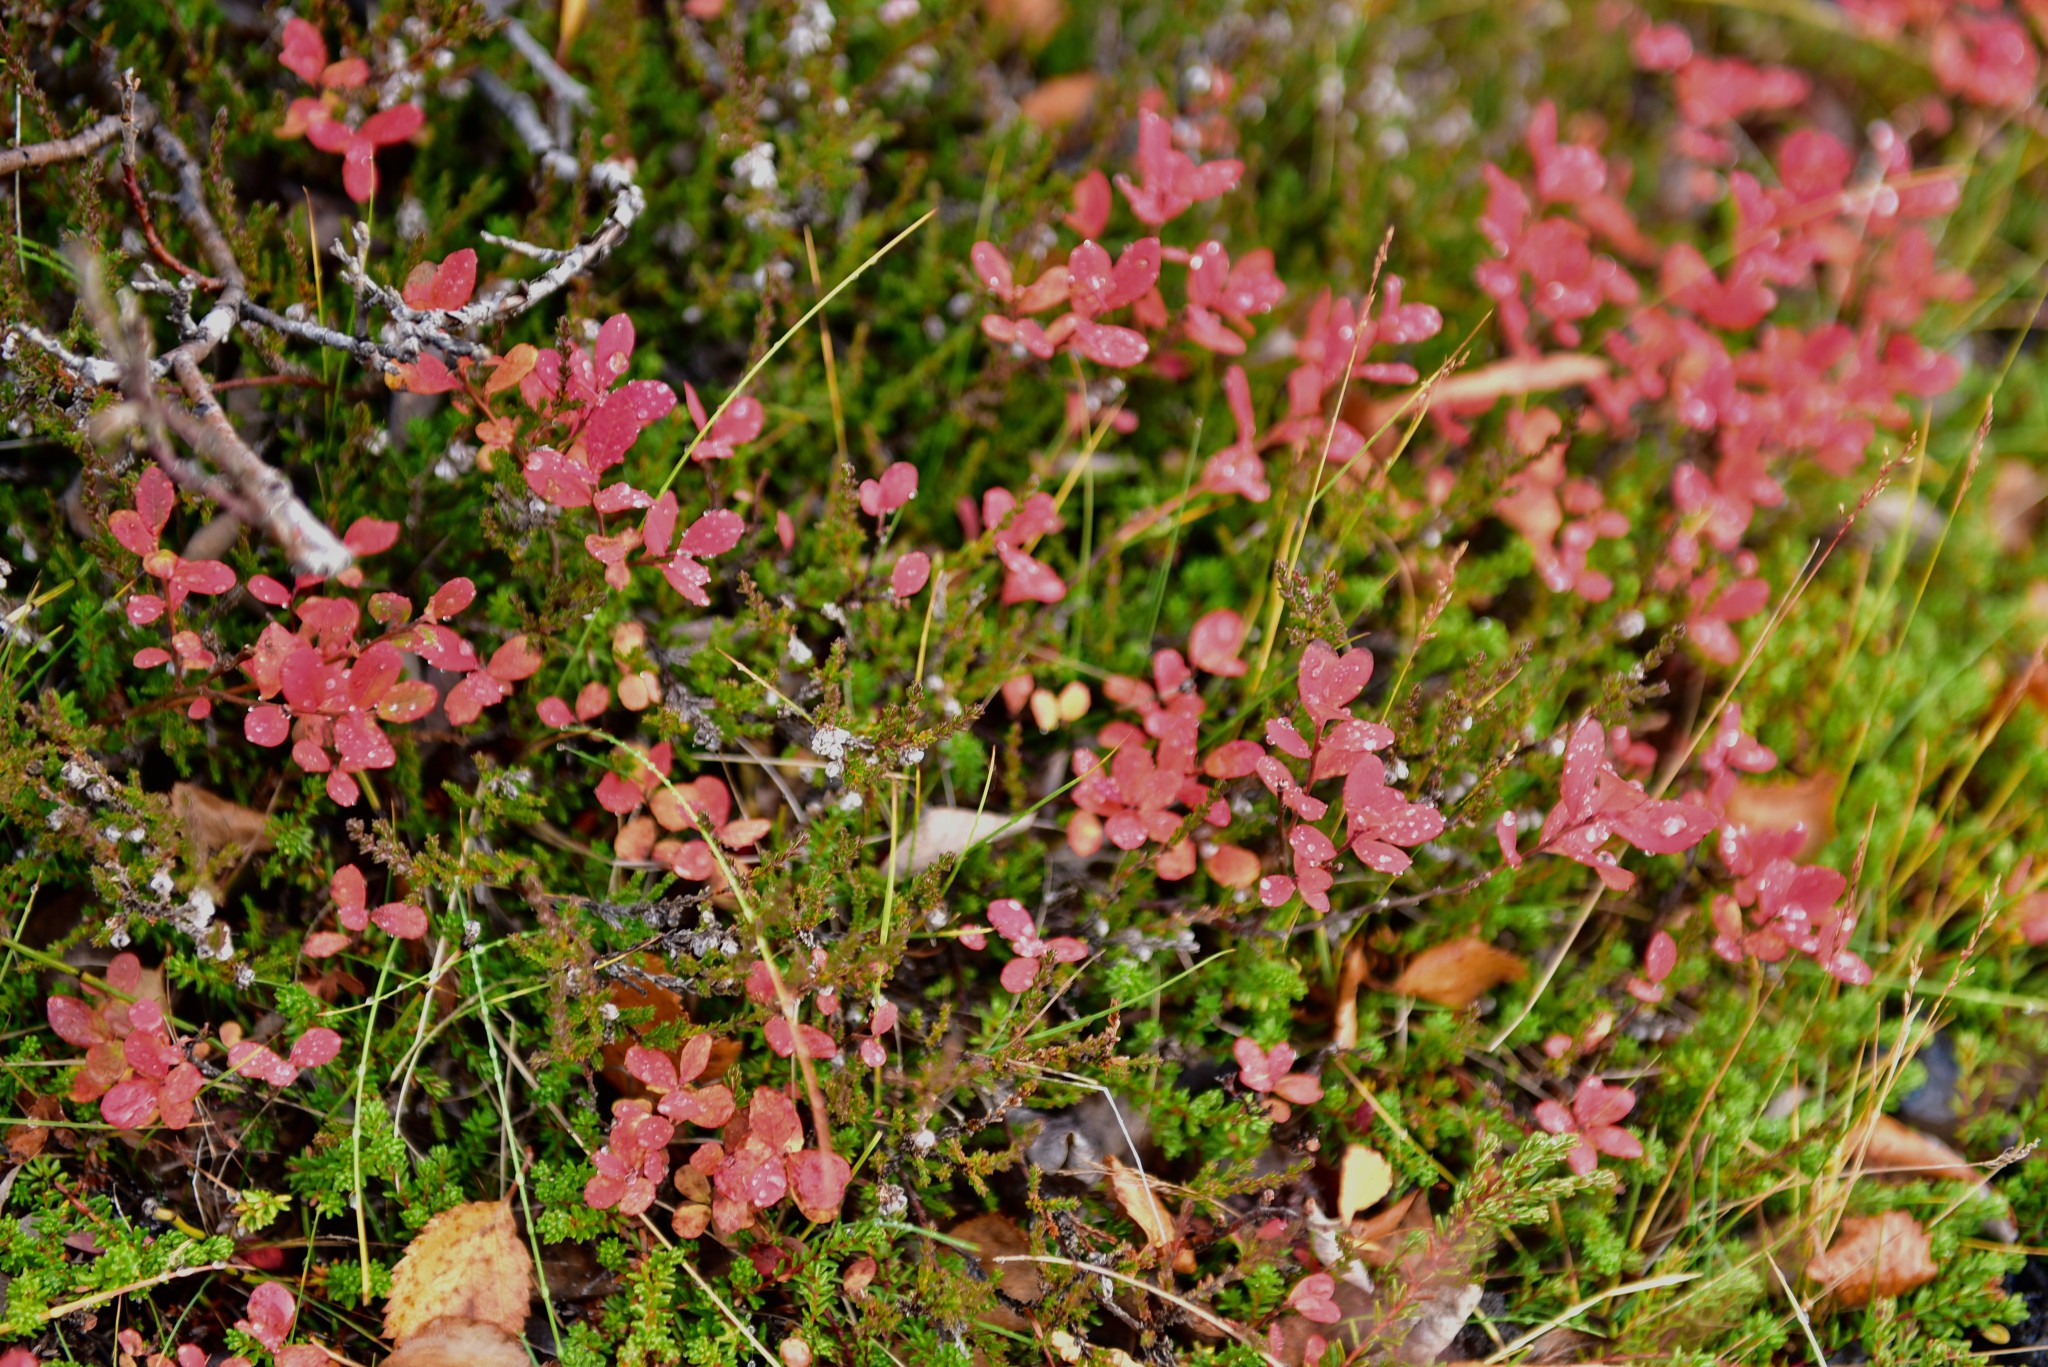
x: 444, y: 286
x: 515, y: 660
x: 773, y: 1120
x: 315, y: 1048
x: 262, y: 1063
x: 1315, y: 1298
x: 1107, y: 344
x: 271, y: 1312
x: 653, y: 1068
x: 305, y: 51
x: 348, y: 887
x: 129, y: 1105
x: 451, y: 598
x: 818, y: 1183
x: 73, y: 1021
x: 1092, y: 204
x: 992, y: 268
x: 714, y: 533
x: 401, y: 920
x: 1328, y: 681
x: 1214, y: 642
x: 324, y: 944
x: 909, y: 574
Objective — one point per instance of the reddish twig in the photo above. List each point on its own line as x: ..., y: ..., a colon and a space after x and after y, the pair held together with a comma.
x: 156, y: 244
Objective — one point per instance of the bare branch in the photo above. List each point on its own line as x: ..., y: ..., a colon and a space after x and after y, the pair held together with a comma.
x: 275, y: 505
x: 81, y: 144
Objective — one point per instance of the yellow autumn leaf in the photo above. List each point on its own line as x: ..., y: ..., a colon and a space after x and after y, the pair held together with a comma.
x: 573, y: 13
x: 467, y: 1264
x: 514, y: 366
x: 1367, y: 1177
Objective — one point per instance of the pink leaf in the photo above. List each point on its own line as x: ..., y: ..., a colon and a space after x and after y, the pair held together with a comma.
x: 324, y: 944
x: 315, y: 1048
x: 394, y: 125
x: 305, y: 51
x: 910, y: 574
x: 271, y: 1312
x: 714, y: 533
x: 1214, y: 642
x: 1107, y: 344
x: 401, y: 920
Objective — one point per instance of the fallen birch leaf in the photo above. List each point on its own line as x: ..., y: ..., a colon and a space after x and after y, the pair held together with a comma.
x: 943, y: 831
x: 1366, y: 1179
x: 467, y: 1264
x: 1458, y: 972
x: 1059, y: 101
x: 1480, y: 387
x: 1350, y: 978
x: 1906, y: 1152
x: 459, y: 1343
x: 993, y: 1237
x: 1874, y: 1256
x: 1135, y: 1193
x: 214, y: 823
x: 1440, y: 1312
x: 1779, y: 806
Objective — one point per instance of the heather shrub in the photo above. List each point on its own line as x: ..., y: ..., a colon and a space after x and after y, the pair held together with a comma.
x: 908, y: 682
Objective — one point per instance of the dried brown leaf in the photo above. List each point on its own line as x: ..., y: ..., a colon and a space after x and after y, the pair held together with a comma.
x: 214, y: 823
x: 468, y: 1264
x: 997, y: 1236
x: 1897, y: 1146
x: 1873, y: 1256
x: 1458, y: 972
x: 459, y: 1343
x: 1136, y: 1193
x: 1060, y: 101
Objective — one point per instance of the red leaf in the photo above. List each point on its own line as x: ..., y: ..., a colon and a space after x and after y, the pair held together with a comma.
x: 818, y: 1183
x: 1107, y: 344
x: 401, y: 920
x: 515, y: 660
x: 305, y: 51
x: 444, y: 286
x: 652, y: 1067
x: 348, y: 887
x: 715, y: 533
x: 1092, y: 204
x: 262, y: 1063
x: 271, y: 1312
x: 772, y: 1118
x: 370, y: 536
x: 394, y: 125
x: 659, y: 530
x: 324, y: 944
x: 1329, y: 681
x: 993, y: 270
x: 129, y: 1105
x: 203, y: 576
x: 315, y: 1048
x: 74, y: 1022
x: 362, y: 744
x: 451, y: 598
x: 910, y: 574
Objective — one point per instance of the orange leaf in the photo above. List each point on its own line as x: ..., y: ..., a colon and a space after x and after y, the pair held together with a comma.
x: 1458, y: 972
x: 1873, y: 1256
